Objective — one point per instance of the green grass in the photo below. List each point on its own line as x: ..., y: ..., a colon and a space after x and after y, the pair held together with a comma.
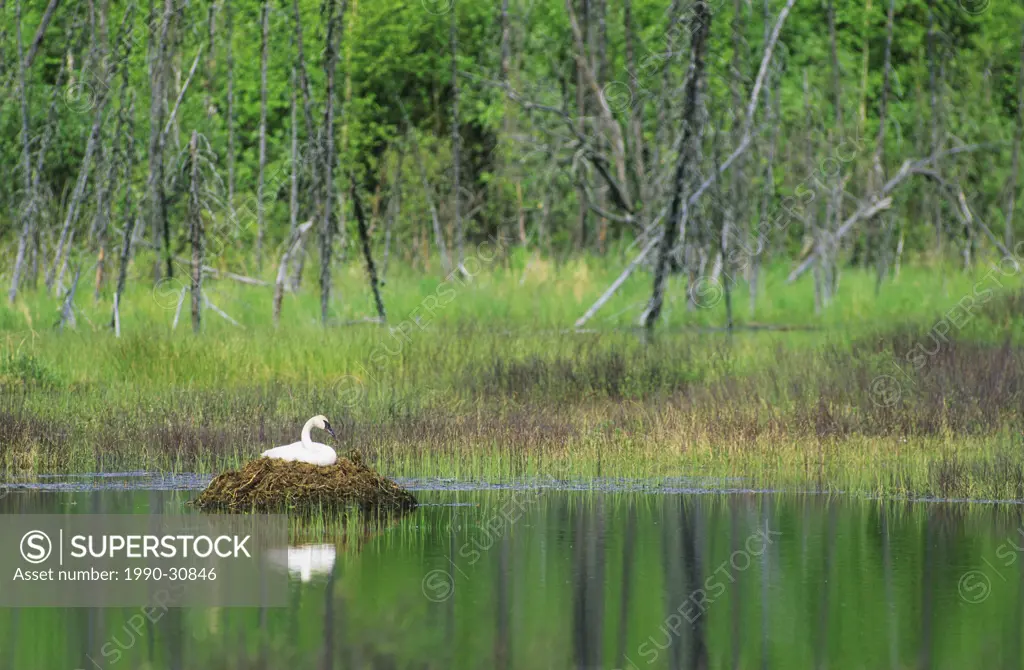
x: 486, y: 379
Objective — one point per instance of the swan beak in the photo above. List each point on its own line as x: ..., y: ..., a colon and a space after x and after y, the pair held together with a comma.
x: 330, y: 432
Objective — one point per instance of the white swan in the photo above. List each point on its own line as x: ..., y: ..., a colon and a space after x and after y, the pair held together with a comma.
x: 305, y: 450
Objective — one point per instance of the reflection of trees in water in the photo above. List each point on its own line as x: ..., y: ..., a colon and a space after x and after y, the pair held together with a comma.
x: 592, y: 580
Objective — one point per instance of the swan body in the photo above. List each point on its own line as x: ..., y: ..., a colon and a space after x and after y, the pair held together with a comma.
x: 306, y: 450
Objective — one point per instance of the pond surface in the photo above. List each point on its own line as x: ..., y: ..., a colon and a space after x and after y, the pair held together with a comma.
x: 543, y: 577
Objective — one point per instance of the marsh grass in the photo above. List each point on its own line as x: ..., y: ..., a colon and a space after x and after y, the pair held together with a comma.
x: 493, y: 386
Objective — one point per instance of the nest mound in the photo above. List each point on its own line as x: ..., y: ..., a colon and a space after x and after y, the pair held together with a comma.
x: 269, y: 484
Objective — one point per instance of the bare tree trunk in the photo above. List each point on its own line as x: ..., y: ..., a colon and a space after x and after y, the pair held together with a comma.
x: 737, y: 213
x: 195, y: 221
x: 156, y: 199
x: 878, y: 160
x: 28, y: 199
x: 211, y: 60
x: 67, y: 311
x: 935, y: 205
x: 295, y: 241
x: 229, y: 57
x: 37, y: 41
x: 1018, y: 139
x: 581, y: 113
x: 456, y: 145
x: 364, y: 238
x: 108, y: 187
x: 865, y: 57
x: 260, y: 206
x: 312, y: 139
x: 128, y: 210
x: 768, y: 194
x: 71, y: 216
x: 334, y: 24
x: 700, y: 26
x: 634, y: 108
x: 834, y: 209
x: 506, y: 42
x: 293, y: 195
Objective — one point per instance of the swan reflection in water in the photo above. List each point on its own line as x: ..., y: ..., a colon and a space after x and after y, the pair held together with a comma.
x: 306, y: 561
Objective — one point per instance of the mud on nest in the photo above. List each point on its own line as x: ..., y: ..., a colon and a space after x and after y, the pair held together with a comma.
x: 274, y: 485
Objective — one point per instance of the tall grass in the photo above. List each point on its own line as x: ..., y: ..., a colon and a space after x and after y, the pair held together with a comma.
x: 915, y: 391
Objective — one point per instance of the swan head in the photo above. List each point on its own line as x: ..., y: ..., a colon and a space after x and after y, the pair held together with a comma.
x: 320, y: 421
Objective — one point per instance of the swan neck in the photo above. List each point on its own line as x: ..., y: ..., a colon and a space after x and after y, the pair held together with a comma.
x: 306, y: 441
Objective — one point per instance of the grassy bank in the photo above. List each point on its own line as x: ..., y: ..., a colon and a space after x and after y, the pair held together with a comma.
x: 916, y: 391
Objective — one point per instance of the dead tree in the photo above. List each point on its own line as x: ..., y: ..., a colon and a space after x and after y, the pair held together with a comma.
x: 44, y: 23
x: 736, y: 211
x: 581, y: 129
x: 745, y: 141
x: 634, y: 108
x: 700, y: 26
x: 26, y: 165
x: 456, y: 144
x: 67, y: 310
x: 295, y: 240
x: 314, y: 141
x: 195, y: 229
x: 128, y: 211
x: 108, y: 187
x: 78, y: 194
x: 293, y: 176
x: 334, y: 26
x: 768, y: 192
x: 364, y: 239
x: 1018, y: 139
x: 260, y: 206
x: 878, y: 158
x: 211, y: 61
x: 229, y: 58
x: 156, y: 199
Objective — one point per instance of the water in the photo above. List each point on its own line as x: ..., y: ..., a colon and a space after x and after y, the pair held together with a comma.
x: 543, y: 577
